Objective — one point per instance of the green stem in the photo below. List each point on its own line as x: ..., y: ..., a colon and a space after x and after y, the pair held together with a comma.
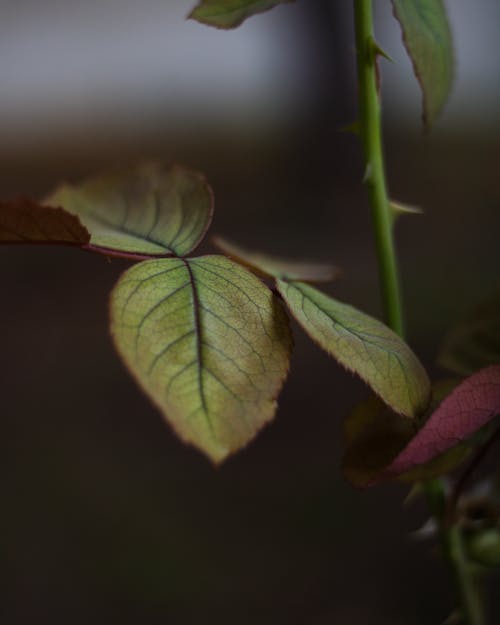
x: 371, y: 136
x: 453, y: 548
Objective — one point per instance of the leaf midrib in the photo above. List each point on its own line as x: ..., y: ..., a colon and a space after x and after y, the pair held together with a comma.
x: 198, y: 336
x: 121, y: 228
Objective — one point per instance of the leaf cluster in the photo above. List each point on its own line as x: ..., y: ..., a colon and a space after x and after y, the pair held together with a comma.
x: 207, y: 338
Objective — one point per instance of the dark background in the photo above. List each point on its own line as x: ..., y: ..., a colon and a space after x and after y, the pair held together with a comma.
x: 106, y: 517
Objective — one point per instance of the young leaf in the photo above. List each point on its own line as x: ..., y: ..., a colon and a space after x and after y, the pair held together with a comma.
x: 147, y: 211
x: 273, y: 267
x: 230, y: 13
x: 428, y: 41
x: 208, y: 342
x: 24, y: 221
x: 474, y: 342
x: 363, y: 345
x: 467, y: 409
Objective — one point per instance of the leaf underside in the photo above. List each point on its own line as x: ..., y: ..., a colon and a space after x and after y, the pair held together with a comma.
x: 208, y: 342
x: 363, y: 345
x: 146, y: 211
x: 274, y: 267
x: 474, y: 343
x: 230, y: 13
x: 24, y: 221
x: 428, y: 41
x: 469, y: 407
x: 375, y: 436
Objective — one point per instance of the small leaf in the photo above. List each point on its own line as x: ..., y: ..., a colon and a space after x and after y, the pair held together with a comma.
x: 428, y: 41
x: 273, y: 267
x: 24, y: 221
x: 363, y: 345
x: 474, y: 343
x: 208, y: 342
x: 467, y: 409
x: 230, y: 13
x: 147, y: 211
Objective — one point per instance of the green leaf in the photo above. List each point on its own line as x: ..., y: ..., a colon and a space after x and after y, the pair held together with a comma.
x: 24, y: 221
x: 273, y: 267
x: 230, y: 13
x: 208, y: 342
x: 146, y: 211
x: 363, y: 345
x: 474, y: 342
x: 428, y: 41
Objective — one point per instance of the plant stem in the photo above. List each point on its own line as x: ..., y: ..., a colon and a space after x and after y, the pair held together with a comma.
x: 453, y: 548
x: 371, y: 135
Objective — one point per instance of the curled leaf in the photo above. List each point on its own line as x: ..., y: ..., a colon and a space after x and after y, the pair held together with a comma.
x: 428, y: 41
x: 361, y: 344
x: 25, y: 221
x: 467, y: 409
x: 230, y: 13
x: 273, y: 267
x: 208, y: 342
x: 474, y: 342
x: 147, y: 211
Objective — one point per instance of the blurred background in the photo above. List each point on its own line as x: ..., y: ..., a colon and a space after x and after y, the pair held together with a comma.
x: 106, y: 517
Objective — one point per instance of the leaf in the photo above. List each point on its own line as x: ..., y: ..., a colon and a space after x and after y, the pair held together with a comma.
x: 363, y: 345
x: 146, y: 211
x: 273, y: 267
x: 208, y: 342
x: 467, y: 409
x: 428, y: 41
x: 230, y: 13
x: 474, y: 342
x: 375, y: 435
x: 24, y: 221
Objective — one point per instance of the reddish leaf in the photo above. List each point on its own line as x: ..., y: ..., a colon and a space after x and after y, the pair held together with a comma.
x: 467, y: 409
x: 23, y: 220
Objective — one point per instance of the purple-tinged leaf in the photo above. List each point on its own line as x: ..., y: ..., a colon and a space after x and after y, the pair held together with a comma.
x: 23, y: 220
x: 467, y: 409
x: 375, y: 435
